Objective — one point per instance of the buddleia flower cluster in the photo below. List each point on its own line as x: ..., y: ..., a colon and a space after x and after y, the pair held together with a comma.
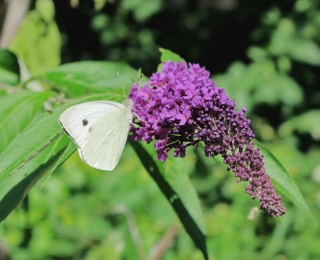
x: 181, y: 106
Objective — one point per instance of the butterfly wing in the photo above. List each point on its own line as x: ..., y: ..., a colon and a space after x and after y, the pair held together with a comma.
x: 99, y: 129
x: 106, y: 140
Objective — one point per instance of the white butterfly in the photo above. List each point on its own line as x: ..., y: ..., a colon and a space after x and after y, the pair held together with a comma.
x: 100, y: 130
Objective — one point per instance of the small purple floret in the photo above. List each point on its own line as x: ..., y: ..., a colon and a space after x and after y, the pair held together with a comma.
x: 181, y: 106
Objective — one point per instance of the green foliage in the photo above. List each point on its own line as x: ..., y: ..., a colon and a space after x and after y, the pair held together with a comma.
x: 120, y: 40
x: 78, y: 79
x: 303, y: 124
x: 167, y: 55
x: 9, y: 68
x: 174, y: 185
x: 38, y: 40
x: 48, y: 151
x: 142, y: 10
x: 251, y: 84
x: 83, y: 213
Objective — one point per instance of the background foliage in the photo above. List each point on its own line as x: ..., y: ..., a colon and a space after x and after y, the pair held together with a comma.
x: 264, y: 53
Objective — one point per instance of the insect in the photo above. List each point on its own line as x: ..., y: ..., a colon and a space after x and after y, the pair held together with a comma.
x: 100, y: 130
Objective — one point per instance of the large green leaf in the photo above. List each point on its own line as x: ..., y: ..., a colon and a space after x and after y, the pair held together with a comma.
x: 14, y: 188
x: 17, y: 110
x: 35, y: 137
x: 82, y: 78
x: 177, y: 171
x: 9, y: 68
x: 179, y: 193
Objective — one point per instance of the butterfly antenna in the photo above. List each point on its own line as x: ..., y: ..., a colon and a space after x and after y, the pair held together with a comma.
x: 121, y: 84
x: 140, y: 76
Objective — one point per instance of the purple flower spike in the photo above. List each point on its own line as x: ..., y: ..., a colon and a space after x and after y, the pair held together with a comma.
x: 181, y: 106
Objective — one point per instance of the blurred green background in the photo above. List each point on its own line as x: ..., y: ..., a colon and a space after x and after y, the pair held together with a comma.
x: 265, y: 54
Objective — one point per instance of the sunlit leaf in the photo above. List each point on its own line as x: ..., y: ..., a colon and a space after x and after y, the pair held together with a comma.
x: 82, y: 78
x: 45, y: 8
x: 167, y: 55
x: 38, y: 41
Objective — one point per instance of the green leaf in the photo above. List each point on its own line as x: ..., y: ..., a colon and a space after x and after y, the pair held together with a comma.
x: 142, y: 10
x: 14, y: 188
x: 99, y: 4
x: 285, y: 42
x: 64, y: 156
x: 38, y: 42
x: 9, y: 68
x: 238, y: 83
x: 167, y: 55
x: 190, y: 220
x: 305, y: 51
x: 305, y: 123
x: 278, y: 88
x: 281, y: 37
x: 35, y: 137
x: 283, y: 181
x: 82, y: 78
x: 45, y: 9
x: 257, y: 54
x: 177, y: 171
x: 17, y: 110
